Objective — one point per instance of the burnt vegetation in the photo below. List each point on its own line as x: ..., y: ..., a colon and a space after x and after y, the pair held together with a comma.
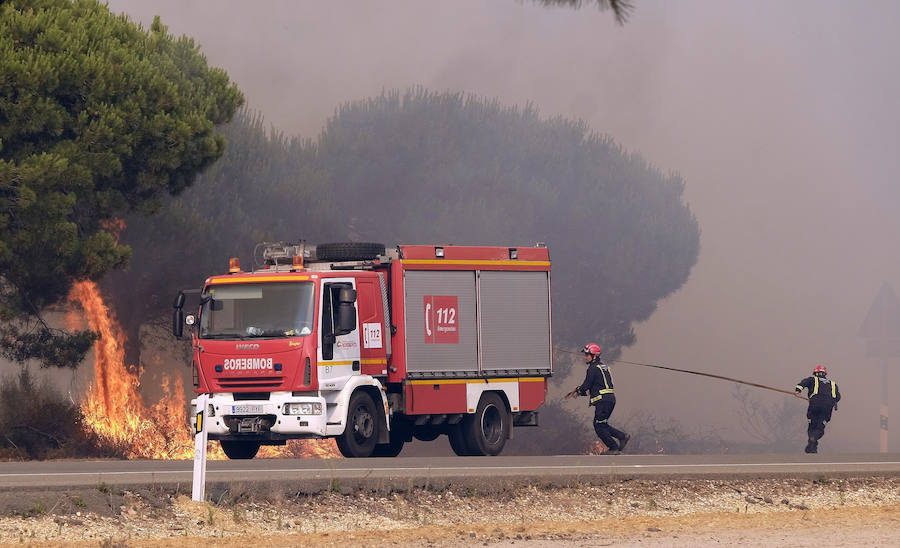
x: 775, y: 426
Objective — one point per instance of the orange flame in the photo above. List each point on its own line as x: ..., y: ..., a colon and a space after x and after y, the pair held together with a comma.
x: 114, y: 227
x: 115, y: 410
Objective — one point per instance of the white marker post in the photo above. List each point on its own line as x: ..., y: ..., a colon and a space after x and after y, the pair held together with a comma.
x: 198, y: 491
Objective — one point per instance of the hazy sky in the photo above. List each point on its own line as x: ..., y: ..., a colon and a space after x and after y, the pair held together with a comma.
x: 783, y: 117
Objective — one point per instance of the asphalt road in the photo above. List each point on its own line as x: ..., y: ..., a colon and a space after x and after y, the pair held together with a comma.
x: 406, y: 472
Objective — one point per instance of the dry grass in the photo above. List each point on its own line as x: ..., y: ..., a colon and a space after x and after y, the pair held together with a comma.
x: 238, y: 516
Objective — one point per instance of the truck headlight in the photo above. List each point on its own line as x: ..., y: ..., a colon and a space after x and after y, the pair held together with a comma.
x: 306, y: 408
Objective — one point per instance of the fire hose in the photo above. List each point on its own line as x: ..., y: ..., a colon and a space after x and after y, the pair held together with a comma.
x: 574, y: 393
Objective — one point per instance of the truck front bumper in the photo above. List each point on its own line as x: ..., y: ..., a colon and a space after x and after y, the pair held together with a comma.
x: 227, y: 418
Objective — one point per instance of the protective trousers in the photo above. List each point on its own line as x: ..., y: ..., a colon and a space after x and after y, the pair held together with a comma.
x: 818, y: 417
x: 607, y: 434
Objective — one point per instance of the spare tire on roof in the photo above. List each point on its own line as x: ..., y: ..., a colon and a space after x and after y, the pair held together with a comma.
x: 349, y: 251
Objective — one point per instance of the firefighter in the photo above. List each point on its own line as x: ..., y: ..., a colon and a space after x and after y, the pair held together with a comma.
x: 823, y: 395
x: 599, y: 386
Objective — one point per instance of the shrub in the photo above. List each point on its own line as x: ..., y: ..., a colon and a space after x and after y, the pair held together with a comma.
x: 33, y: 418
x: 37, y: 422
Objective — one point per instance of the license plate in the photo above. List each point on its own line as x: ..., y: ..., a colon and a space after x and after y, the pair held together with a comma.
x: 246, y: 409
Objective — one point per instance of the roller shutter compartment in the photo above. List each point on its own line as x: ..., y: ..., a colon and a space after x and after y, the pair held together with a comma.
x: 515, y: 322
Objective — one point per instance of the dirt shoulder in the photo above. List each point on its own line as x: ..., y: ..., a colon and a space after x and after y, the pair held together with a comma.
x: 677, y: 512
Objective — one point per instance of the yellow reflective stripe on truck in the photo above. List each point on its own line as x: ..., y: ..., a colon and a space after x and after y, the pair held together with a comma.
x: 488, y: 263
x: 477, y: 381
x: 380, y: 361
x: 248, y: 279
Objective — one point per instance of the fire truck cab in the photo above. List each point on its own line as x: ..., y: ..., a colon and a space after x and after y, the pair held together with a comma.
x: 373, y: 348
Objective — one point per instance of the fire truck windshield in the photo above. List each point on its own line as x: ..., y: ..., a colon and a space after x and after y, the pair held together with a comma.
x: 250, y: 310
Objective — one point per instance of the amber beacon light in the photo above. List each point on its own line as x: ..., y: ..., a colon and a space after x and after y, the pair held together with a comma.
x: 234, y: 265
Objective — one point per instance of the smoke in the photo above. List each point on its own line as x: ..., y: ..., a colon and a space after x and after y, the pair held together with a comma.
x: 782, y: 118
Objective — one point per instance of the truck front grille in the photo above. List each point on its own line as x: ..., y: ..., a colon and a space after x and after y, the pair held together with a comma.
x: 255, y: 382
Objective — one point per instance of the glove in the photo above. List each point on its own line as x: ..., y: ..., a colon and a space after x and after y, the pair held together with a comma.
x: 573, y: 394
x: 835, y: 407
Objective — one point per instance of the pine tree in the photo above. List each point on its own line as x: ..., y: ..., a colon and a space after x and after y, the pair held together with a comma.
x: 98, y: 117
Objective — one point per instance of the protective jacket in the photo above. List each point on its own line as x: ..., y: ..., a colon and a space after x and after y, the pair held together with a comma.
x: 822, y: 392
x: 597, y: 382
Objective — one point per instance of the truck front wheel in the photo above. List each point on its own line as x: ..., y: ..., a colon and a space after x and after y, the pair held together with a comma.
x: 393, y: 447
x: 239, y: 449
x: 486, y: 431
x: 361, y: 432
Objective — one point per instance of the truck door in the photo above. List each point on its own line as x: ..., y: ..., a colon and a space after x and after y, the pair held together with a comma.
x: 371, y: 322
x: 338, y: 355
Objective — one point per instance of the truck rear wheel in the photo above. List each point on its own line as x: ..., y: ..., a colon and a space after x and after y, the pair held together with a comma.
x: 361, y: 432
x: 487, y: 430
x: 239, y: 449
x: 349, y: 251
x: 457, y: 437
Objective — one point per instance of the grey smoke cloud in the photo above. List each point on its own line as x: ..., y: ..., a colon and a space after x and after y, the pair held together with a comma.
x: 782, y: 117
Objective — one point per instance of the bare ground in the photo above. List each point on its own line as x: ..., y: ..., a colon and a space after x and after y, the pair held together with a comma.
x: 763, y: 512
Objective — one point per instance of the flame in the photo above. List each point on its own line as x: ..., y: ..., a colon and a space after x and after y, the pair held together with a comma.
x: 114, y: 227
x: 114, y: 409
x: 596, y: 448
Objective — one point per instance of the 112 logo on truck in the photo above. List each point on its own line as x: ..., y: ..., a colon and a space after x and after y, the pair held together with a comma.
x: 440, y: 319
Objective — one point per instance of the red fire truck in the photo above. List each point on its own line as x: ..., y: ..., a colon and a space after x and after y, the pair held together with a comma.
x: 373, y: 348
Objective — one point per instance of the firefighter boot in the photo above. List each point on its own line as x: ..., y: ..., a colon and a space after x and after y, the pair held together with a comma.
x: 623, y: 442
x: 812, y: 446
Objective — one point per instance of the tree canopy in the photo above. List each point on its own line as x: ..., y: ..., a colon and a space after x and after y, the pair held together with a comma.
x: 98, y: 117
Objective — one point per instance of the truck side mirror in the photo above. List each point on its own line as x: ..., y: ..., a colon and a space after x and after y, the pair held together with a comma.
x: 346, y: 312
x: 178, y: 315
x: 347, y: 295
x: 178, y: 323
x: 346, y: 319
